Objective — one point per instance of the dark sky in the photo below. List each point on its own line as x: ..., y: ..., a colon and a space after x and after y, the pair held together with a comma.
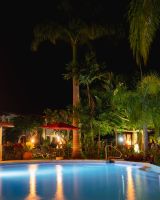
x: 31, y: 82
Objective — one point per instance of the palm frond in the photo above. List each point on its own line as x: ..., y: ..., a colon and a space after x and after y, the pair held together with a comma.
x: 149, y: 85
x: 144, y: 19
x: 45, y: 32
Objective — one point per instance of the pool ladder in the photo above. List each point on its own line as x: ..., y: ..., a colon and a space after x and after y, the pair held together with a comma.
x: 112, y: 152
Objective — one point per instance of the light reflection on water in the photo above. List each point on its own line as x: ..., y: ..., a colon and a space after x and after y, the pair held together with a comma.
x: 59, y: 195
x: 130, y: 185
x: 32, y: 183
x: 77, y: 182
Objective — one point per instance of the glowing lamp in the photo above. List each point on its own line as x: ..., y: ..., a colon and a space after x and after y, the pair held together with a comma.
x: 32, y: 140
x: 121, y: 139
x: 58, y: 138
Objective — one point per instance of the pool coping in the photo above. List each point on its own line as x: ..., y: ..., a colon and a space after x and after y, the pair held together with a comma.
x: 143, y: 165
x: 52, y: 161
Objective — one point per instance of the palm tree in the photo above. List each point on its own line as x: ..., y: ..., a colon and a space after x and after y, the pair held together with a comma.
x: 75, y: 33
x: 99, y: 86
x: 91, y: 72
x: 149, y: 90
x: 140, y: 105
x: 144, y: 20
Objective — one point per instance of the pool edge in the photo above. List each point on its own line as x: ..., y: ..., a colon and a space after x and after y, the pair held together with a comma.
x: 150, y: 166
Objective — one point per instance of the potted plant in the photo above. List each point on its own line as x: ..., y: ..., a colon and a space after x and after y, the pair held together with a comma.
x: 27, y: 155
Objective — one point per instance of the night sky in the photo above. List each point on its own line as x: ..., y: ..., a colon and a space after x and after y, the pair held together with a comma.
x: 31, y: 82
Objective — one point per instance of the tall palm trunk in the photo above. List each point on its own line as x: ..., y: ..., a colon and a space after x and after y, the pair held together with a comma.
x: 76, y: 151
x: 145, y: 139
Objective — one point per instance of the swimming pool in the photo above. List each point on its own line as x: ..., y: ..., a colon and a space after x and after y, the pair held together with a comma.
x: 77, y: 181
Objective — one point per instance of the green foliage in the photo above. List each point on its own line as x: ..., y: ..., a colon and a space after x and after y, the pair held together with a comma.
x: 27, y: 123
x: 61, y: 115
x: 28, y: 146
x: 144, y: 19
x: 149, y: 85
x: 46, y: 143
x: 104, y: 116
x: 140, y: 106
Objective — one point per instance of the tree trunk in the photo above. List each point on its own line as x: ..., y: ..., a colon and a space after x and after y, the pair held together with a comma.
x: 76, y: 150
x: 145, y: 139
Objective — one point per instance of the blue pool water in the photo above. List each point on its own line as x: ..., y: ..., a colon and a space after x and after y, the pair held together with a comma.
x: 77, y: 181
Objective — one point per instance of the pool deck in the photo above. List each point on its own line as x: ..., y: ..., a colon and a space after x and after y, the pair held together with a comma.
x: 142, y: 165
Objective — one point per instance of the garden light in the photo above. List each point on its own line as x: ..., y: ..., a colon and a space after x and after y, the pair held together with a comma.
x: 120, y: 139
x: 32, y: 140
x: 58, y: 138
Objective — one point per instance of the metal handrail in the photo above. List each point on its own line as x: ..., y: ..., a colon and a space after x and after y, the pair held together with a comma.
x: 115, y: 148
